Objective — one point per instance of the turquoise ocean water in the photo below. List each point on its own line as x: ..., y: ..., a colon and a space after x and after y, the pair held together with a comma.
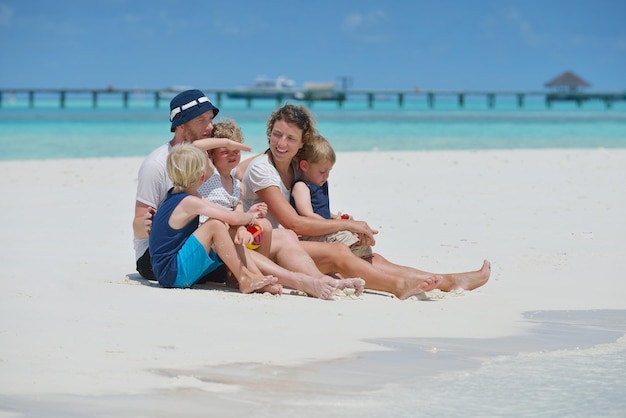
x: 572, y: 382
x: 78, y: 130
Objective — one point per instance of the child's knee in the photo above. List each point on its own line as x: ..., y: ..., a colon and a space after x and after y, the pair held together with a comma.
x: 213, y: 226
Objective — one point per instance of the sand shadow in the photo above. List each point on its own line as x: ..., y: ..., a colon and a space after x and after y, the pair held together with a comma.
x: 206, y: 284
x: 135, y: 278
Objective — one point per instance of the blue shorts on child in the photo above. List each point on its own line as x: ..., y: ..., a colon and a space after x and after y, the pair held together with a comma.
x: 194, y: 263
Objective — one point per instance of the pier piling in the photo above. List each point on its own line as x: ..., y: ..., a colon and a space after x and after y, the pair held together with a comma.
x: 431, y: 100
x: 579, y: 98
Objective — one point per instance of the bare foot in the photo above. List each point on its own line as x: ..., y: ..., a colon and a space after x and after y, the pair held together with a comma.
x: 253, y: 282
x: 274, y: 289
x: 417, y: 286
x: 467, y: 281
x: 322, y: 287
x: 355, y: 283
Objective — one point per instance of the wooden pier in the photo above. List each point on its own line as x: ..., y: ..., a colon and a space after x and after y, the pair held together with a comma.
x: 162, y: 97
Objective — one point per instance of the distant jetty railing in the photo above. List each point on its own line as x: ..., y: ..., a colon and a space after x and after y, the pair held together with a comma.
x: 217, y: 95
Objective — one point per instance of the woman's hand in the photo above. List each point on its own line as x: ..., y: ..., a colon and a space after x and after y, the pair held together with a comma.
x: 365, y: 233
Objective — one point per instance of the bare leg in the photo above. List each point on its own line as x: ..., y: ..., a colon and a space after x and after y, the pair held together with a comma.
x: 273, y: 288
x: 295, y: 269
x: 468, y: 280
x: 449, y: 281
x: 339, y: 258
x: 215, y: 234
x: 266, y: 243
x: 264, y: 248
x: 319, y: 287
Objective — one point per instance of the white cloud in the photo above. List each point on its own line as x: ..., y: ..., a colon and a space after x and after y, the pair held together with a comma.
x: 130, y: 18
x: 226, y: 28
x: 368, y: 27
x: 523, y: 27
x: 352, y: 21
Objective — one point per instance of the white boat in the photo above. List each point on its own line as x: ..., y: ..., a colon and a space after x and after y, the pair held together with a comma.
x: 266, y: 88
x: 319, y: 91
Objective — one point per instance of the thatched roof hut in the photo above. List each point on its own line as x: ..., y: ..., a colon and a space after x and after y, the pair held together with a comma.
x: 567, y: 81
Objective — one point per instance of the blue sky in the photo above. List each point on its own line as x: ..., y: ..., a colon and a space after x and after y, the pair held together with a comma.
x: 398, y: 45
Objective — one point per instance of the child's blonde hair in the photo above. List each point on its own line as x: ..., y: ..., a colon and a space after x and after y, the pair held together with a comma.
x: 316, y: 150
x: 185, y: 165
x: 228, y: 129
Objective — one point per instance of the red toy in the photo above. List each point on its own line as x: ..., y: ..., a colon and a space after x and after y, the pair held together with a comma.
x: 257, y: 236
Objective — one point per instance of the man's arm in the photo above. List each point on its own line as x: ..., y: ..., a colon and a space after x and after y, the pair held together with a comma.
x: 142, y: 223
x: 152, y: 185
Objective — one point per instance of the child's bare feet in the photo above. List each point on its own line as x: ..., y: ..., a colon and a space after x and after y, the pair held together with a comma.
x: 274, y: 289
x: 354, y: 283
x: 323, y: 287
x: 252, y: 282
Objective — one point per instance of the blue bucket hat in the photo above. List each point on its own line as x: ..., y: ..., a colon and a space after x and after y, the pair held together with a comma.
x: 189, y: 105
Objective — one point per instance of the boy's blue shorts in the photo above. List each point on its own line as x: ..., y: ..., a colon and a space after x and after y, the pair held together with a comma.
x: 194, y: 263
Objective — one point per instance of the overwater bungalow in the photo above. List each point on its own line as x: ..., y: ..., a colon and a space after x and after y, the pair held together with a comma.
x: 567, y: 81
x: 567, y: 88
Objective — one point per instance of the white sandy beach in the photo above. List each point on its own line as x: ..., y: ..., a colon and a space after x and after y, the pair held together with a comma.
x: 81, y: 335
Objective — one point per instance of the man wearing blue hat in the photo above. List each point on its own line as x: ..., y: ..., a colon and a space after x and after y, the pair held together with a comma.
x: 191, y: 115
